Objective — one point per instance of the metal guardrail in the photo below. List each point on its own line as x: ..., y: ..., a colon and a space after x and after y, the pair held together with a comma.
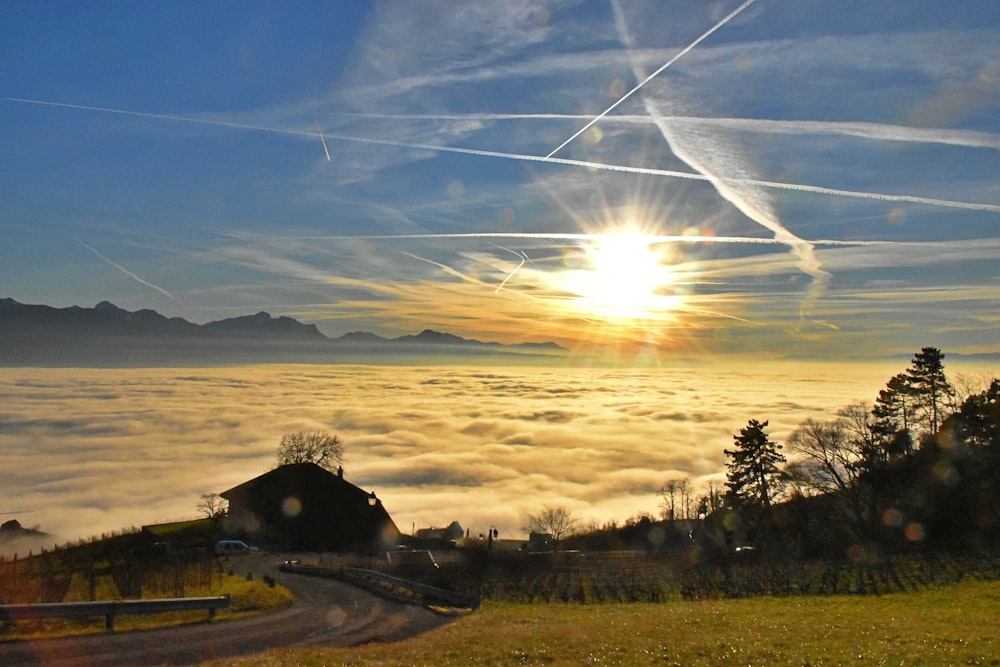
x: 430, y: 594
x: 402, y: 590
x: 110, y: 608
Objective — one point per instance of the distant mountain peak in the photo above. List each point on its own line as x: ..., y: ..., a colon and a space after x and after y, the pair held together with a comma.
x: 108, y: 334
x: 262, y: 324
x: 435, y: 337
x: 362, y: 337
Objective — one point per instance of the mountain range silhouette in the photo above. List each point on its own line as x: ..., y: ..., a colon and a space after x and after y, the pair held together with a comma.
x: 109, y: 335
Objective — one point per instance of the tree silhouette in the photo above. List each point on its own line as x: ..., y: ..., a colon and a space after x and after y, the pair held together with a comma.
x: 324, y: 449
x: 892, y: 416
x: 753, y: 473
x: 835, y: 456
x: 978, y: 420
x: 856, y: 417
x: 929, y: 385
x: 555, y: 521
x: 675, y: 499
x: 213, y: 506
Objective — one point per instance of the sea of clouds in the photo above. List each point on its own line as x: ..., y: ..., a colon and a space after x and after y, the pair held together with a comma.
x: 83, y: 451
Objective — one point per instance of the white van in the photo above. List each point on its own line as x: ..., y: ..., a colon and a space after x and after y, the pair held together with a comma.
x: 232, y: 547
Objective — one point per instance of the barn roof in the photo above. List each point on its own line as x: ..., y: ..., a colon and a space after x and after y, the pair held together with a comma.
x: 307, y: 506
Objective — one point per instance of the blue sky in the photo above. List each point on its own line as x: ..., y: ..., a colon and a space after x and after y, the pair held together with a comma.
x: 381, y: 166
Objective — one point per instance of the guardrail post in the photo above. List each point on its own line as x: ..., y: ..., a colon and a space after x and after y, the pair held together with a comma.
x: 109, y: 621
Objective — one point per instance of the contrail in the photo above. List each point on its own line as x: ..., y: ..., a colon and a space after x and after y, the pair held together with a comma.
x: 755, y: 205
x: 128, y: 273
x: 325, y: 150
x: 446, y: 268
x: 523, y: 257
x: 912, y: 199
x: 652, y: 76
x: 864, y: 130
x: 555, y: 236
x: 649, y: 171
x: 160, y: 116
x: 879, y: 131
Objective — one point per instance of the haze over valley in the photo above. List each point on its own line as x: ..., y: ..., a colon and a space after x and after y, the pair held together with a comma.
x: 93, y: 450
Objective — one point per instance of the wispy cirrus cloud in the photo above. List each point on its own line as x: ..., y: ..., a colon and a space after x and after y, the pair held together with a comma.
x: 807, y: 125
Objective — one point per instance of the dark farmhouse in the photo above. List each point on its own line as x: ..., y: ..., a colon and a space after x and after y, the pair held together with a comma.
x: 303, y: 506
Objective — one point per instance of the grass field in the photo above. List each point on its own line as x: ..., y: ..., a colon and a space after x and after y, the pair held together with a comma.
x: 955, y: 625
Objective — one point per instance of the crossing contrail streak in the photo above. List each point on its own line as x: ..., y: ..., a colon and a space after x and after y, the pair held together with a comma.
x: 655, y: 74
x: 912, y: 199
x: 523, y: 257
x: 325, y: 149
x: 751, y: 201
x: 128, y: 273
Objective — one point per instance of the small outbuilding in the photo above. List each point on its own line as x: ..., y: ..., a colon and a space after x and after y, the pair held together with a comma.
x: 305, y: 507
x: 452, y: 533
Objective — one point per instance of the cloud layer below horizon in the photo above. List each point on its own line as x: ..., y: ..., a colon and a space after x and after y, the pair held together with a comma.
x: 88, y: 451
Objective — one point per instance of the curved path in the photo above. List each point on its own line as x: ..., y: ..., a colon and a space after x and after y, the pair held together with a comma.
x: 325, y: 612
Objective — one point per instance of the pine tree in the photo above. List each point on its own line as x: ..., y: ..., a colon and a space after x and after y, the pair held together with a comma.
x: 929, y: 385
x: 893, y: 416
x: 753, y: 475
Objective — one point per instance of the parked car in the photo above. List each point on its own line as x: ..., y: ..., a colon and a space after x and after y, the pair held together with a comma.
x: 232, y: 547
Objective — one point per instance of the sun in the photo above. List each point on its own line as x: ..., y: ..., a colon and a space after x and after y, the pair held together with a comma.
x: 623, y: 276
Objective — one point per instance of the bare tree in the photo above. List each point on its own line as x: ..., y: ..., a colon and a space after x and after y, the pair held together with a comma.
x: 858, y: 419
x: 716, y: 497
x: 837, y: 456
x: 213, y: 506
x: 713, y: 500
x: 675, y: 499
x: 970, y: 384
x: 320, y: 447
x: 687, y: 500
x: 555, y: 521
x: 827, y: 455
x: 668, y: 500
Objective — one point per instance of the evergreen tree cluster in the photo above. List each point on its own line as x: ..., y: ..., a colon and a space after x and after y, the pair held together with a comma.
x: 917, y: 469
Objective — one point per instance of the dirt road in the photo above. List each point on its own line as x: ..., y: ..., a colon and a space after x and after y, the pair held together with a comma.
x: 325, y: 612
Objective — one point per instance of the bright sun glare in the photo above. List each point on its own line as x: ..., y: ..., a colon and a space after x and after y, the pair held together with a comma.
x: 624, y: 277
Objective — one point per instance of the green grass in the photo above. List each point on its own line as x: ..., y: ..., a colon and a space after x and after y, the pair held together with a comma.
x: 955, y: 625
